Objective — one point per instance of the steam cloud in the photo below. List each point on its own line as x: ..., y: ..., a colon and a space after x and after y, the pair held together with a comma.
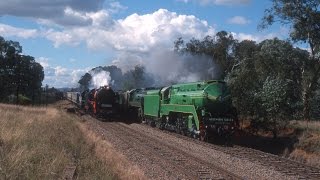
x: 162, y: 67
x: 169, y: 67
x: 165, y: 67
x: 100, y: 79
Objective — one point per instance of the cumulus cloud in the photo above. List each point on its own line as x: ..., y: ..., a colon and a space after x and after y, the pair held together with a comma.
x: 99, y: 31
x: 218, y: 2
x: 46, y: 8
x: 65, y: 13
x: 116, y: 7
x: 184, y: 1
x: 225, y: 2
x: 135, y: 32
x: 240, y: 20
x: 58, y: 76
x: 43, y: 61
x: 130, y: 37
x: 254, y: 37
x: 7, y: 30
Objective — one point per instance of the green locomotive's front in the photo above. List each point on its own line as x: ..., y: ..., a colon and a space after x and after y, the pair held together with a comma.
x: 217, y: 113
x: 198, y: 109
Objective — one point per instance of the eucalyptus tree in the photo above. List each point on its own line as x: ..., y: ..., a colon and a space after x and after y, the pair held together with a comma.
x: 266, y: 82
x: 19, y: 74
x: 303, y: 18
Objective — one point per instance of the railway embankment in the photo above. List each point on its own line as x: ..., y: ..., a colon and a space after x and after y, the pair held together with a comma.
x: 300, y: 141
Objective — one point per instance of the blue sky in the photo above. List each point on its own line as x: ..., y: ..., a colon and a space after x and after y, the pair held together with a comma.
x: 70, y: 37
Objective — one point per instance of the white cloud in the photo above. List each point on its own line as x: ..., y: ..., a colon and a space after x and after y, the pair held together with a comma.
x: 60, y: 12
x: 226, y: 2
x: 218, y: 2
x: 72, y: 60
x: 60, y: 38
x: 240, y: 20
x: 184, y: 1
x: 58, y: 76
x: 61, y: 71
x: 6, y: 30
x: 135, y: 32
x: 253, y: 37
x: 116, y: 7
x: 69, y: 78
x: 43, y: 61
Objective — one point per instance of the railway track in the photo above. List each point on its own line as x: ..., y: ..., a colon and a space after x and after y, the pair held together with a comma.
x: 182, y: 163
x: 280, y: 164
x: 168, y: 157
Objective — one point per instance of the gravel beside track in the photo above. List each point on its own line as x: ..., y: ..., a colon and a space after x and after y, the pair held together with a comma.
x: 165, y: 155
x: 280, y: 164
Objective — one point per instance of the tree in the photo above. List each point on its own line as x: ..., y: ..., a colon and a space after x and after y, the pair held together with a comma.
x: 178, y: 44
x: 85, y: 81
x: 135, y: 78
x: 266, y: 82
x: 223, y: 51
x: 19, y: 74
x: 220, y: 48
x: 303, y: 16
x: 243, y: 79
x: 276, y: 104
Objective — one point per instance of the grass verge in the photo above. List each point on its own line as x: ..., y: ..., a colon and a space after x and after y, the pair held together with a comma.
x: 106, y: 152
x: 39, y: 143
x: 307, y: 149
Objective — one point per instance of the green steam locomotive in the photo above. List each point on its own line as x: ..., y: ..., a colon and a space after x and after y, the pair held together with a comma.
x: 199, y: 109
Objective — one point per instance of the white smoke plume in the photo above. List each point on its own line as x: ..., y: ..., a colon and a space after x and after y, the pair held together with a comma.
x: 171, y: 67
x: 165, y: 67
x: 100, y: 79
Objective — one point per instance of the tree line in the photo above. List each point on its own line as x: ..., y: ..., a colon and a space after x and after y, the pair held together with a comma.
x: 20, y: 75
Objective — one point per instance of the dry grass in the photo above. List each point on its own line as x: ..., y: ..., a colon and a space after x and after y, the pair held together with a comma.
x: 38, y: 143
x: 308, y: 158
x: 307, y: 149
x: 105, y: 151
x: 307, y: 126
